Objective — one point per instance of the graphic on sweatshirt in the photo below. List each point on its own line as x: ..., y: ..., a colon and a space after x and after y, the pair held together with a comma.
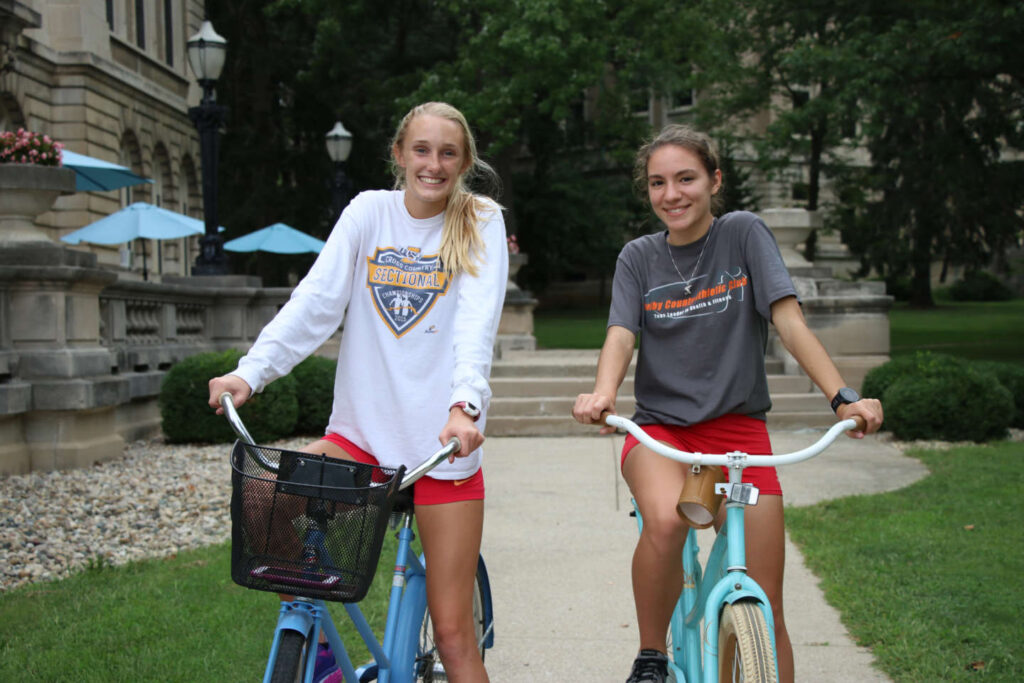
x: 404, y: 285
x: 671, y: 301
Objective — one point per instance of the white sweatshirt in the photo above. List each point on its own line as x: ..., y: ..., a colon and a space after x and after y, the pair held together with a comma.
x: 413, y: 343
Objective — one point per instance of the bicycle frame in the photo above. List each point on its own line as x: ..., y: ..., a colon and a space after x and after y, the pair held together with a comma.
x: 723, y: 580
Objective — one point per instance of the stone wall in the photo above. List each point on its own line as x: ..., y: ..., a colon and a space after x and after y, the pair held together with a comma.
x: 83, y: 353
x: 102, y: 91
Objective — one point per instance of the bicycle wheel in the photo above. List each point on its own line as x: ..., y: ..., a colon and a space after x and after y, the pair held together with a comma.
x: 428, y: 664
x: 288, y: 667
x: 745, y: 646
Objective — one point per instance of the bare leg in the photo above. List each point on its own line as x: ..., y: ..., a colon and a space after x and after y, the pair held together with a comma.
x: 451, y: 535
x: 655, y: 483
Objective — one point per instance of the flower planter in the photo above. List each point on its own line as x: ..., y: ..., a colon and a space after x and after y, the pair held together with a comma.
x: 26, y: 191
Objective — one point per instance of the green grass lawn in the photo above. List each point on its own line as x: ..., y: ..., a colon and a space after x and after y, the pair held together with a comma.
x: 570, y: 329
x: 174, y: 619
x: 977, y: 330
x: 928, y: 576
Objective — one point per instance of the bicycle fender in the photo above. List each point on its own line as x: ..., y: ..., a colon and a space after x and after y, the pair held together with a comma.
x: 299, y: 620
x: 485, y: 589
x: 738, y: 595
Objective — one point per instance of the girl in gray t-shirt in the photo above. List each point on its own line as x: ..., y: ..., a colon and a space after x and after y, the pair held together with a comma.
x: 700, y: 295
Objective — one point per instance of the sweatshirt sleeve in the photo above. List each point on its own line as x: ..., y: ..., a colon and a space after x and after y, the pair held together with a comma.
x: 314, y: 311
x: 478, y: 312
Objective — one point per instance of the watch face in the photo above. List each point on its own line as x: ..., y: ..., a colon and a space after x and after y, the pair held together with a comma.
x: 848, y: 395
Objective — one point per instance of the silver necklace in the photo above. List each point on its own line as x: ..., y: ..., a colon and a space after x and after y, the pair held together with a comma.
x: 688, y: 286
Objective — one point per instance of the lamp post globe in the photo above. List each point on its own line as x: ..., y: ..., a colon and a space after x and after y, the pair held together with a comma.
x: 206, y: 53
x: 339, y: 146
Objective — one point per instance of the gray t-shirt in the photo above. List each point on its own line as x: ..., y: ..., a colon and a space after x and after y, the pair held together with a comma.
x: 701, y: 353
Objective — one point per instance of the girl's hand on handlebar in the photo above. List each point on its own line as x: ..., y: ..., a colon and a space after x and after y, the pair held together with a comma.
x: 590, y: 409
x: 867, y: 411
x: 464, y: 428
x: 233, y: 384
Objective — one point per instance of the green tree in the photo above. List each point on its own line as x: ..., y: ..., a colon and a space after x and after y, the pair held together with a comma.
x: 941, y: 102
x: 931, y: 90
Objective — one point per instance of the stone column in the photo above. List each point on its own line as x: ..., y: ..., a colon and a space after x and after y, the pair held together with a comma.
x: 58, y: 405
x: 850, y: 318
x: 515, y: 331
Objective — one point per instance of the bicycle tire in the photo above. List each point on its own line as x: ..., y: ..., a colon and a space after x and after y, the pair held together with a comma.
x: 745, y: 646
x: 428, y: 665
x: 288, y: 667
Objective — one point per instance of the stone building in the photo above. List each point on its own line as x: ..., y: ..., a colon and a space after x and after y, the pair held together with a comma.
x: 109, y: 79
x: 84, y: 342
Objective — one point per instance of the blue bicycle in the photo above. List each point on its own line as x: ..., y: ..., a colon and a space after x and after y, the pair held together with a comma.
x: 722, y: 627
x: 313, y: 527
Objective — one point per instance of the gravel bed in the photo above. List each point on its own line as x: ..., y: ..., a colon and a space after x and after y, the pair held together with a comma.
x: 157, y: 500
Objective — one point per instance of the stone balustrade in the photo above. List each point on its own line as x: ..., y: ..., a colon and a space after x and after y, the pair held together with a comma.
x: 83, y: 354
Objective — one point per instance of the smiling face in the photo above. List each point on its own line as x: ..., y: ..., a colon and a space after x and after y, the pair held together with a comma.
x: 680, y: 189
x: 432, y: 154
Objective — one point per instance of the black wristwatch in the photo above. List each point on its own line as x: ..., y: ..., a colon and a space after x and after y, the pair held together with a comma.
x: 844, y: 395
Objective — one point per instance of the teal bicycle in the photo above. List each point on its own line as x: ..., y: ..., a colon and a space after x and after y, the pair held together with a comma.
x: 313, y: 527
x: 722, y: 627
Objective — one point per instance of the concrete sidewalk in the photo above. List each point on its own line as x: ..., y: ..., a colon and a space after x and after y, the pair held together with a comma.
x: 558, y: 542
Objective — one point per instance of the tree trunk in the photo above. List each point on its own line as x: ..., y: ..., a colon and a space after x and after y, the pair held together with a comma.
x: 921, y: 276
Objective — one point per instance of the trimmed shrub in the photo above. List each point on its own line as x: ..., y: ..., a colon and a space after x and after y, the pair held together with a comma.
x: 960, y: 404
x: 1011, y: 376
x: 980, y: 286
x: 314, y: 379
x: 187, y: 417
x: 880, y: 378
x: 938, y: 396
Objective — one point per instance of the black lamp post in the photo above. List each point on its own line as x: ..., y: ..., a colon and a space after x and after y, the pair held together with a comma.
x: 206, y: 51
x: 339, y: 146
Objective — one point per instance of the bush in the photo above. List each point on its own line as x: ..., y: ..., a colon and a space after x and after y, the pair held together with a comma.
x: 961, y: 404
x: 880, y: 378
x: 980, y: 286
x: 938, y: 396
x: 1011, y: 376
x: 186, y: 416
x: 314, y: 378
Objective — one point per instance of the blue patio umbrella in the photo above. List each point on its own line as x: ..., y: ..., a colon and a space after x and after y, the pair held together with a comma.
x: 139, y: 220
x: 276, y: 239
x: 97, y: 175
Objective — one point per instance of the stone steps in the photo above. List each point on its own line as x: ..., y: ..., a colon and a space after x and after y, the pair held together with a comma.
x: 534, y: 391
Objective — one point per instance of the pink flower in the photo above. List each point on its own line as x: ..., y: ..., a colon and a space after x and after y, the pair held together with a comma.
x: 26, y: 147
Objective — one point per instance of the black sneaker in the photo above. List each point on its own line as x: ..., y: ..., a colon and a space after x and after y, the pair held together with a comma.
x: 651, y: 666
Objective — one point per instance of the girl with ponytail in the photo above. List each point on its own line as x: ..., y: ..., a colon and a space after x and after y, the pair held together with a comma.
x: 417, y: 275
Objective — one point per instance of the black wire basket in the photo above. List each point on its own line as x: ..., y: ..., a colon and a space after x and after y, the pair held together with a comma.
x: 314, y: 529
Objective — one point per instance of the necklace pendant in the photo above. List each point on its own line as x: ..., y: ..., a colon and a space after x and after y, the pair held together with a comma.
x: 687, y: 288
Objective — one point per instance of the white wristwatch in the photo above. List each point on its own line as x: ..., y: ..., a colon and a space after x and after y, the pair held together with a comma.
x: 468, y: 408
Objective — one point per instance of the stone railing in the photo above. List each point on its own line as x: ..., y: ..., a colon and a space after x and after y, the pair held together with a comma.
x: 83, y: 354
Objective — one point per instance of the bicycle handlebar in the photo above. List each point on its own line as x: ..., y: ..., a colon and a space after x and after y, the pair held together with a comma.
x: 733, y: 458
x: 231, y: 413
